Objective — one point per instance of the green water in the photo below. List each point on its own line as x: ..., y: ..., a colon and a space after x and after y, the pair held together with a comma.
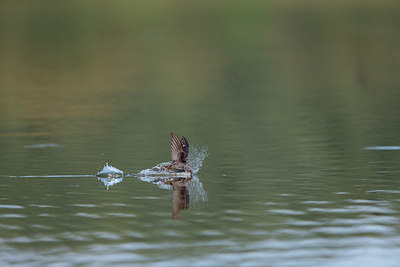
x: 294, y: 107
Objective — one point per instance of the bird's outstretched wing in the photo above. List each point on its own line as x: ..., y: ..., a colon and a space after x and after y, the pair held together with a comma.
x: 179, y: 148
x: 185, y: 145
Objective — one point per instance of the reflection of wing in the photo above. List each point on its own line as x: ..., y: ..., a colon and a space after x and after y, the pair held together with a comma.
x: 178, y: 151
x: 180, y: 198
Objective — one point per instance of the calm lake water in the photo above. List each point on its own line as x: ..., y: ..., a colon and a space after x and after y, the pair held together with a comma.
x: 292, y: 113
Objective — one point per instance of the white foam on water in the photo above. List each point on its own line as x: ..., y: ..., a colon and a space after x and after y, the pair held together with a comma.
x: 109, y: 171
x: 110, y: 181
x: 110, y: 176
x: 154, y: 173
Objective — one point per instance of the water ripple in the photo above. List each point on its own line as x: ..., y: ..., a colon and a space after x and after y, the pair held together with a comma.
x: 43, y: 145
x: 122, y: 215
x: 211, y: 233
x: 21, y: 239
x: 302, y: 223
x: 76, y: 236
x: 365, y: 201
x: 382, y: 148
x: 353, y: 230
x: 12, y: 216
x: 286, y: 212
x: 354, y: 209
x: 150, y: 197
x: 384, y: 191
x: 84, y: 205
x: 11, y: 207
x: 133, y: 234
x: 87, y: 215
x: 43, y: 206
x: 10, y: 227
x: 367, y: 220
x: 107, y: 235
x: 315, y: 202
x: 46, y: 215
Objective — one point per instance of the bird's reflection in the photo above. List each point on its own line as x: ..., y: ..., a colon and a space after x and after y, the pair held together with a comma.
x: 185, y: 188
x: 180, y: 194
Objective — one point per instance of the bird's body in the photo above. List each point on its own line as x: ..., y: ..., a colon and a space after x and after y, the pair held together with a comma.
x: 179, y: 155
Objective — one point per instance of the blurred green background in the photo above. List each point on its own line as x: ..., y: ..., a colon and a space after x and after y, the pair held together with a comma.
x: 116, y: 77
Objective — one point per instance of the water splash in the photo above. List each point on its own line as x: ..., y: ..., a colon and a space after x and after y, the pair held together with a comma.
x: 109, y: 171
x: 110, y: 175
x: 110, y: 181
x: 197, y: 191
x: 156, y: 172
x: 197, y: 156
x: 196, y: 159
x: 158, y: 176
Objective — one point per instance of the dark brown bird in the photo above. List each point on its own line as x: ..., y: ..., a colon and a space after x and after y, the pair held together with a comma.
x: 179, y: 155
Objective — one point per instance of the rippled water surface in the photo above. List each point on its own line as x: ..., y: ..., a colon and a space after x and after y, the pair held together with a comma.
x: 291, y: 112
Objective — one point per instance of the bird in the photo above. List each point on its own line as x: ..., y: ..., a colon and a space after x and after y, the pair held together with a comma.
x: 179, y: 155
